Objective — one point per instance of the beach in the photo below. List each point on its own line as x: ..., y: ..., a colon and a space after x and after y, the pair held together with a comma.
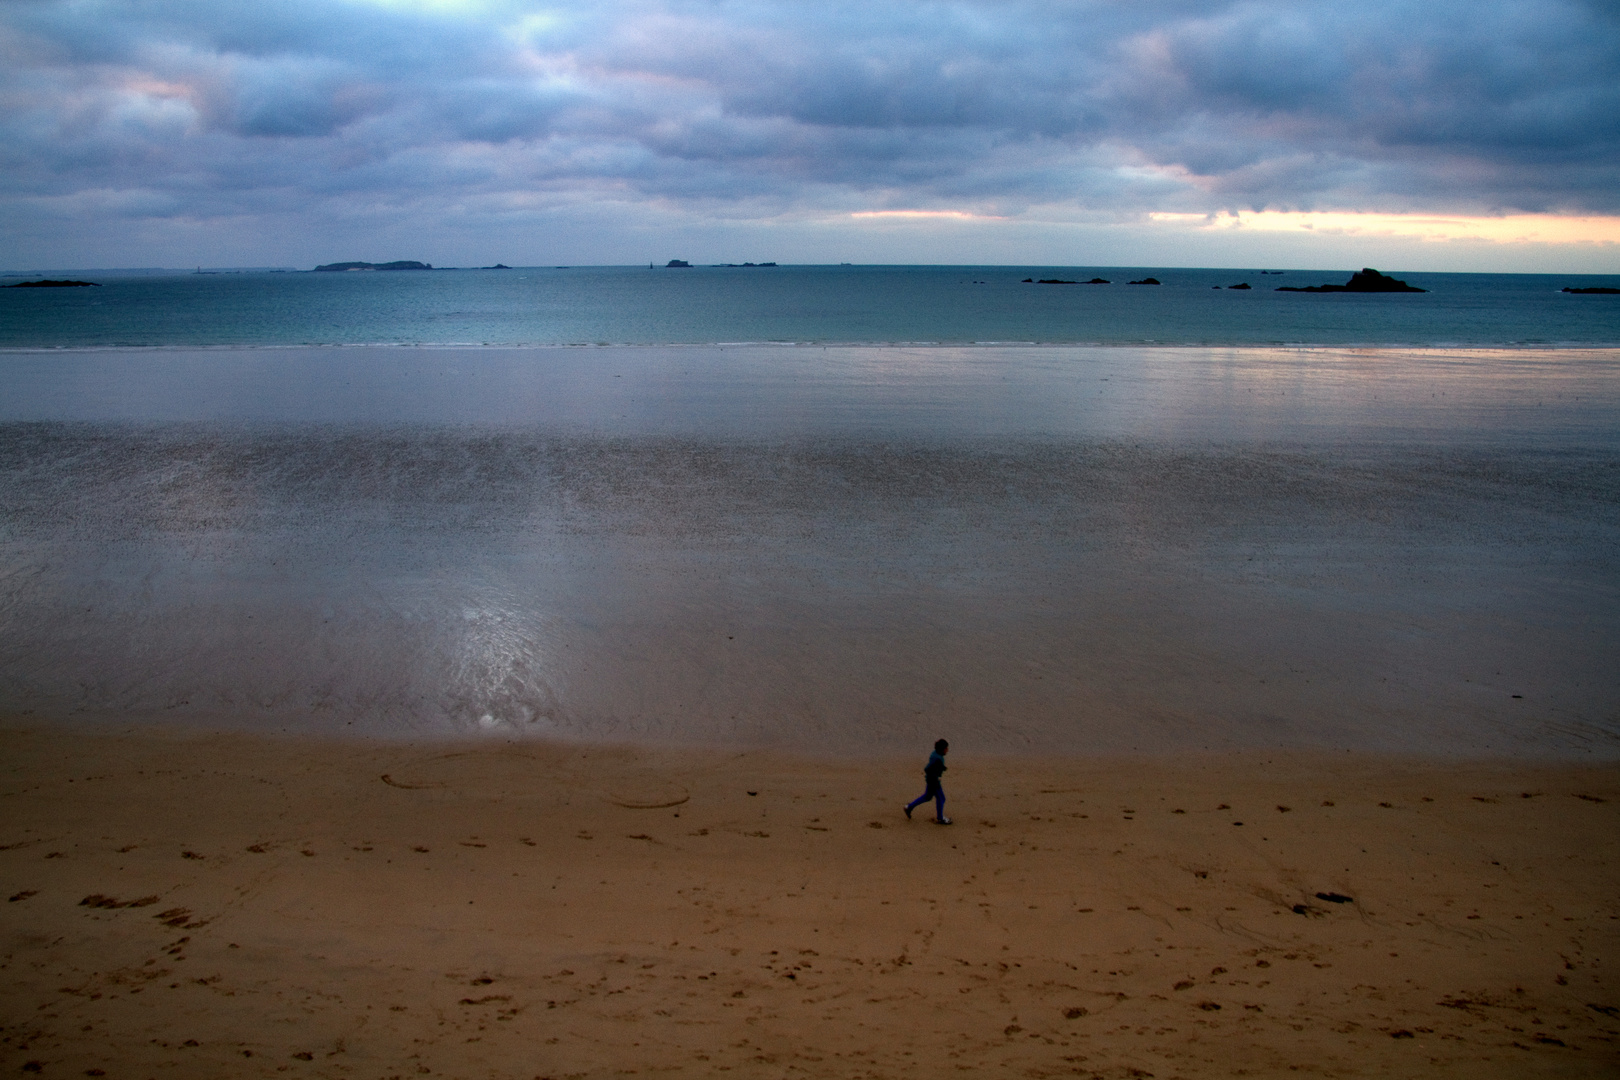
x: 549, y: 712
x: 186, y: 903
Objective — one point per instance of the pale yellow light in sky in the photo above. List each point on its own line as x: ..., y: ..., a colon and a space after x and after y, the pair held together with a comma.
x: 1508, y: 229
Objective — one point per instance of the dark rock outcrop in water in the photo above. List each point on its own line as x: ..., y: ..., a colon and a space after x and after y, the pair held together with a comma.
x: 402, y: 264
x: 676, y: 264
x: 1240, y: 285
x: 50, y: 284
x: 1365, y: 280
x: 1145, y: 281
x: 1596, y: 290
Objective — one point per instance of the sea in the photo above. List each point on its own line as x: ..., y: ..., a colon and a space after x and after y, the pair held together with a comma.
x: 840, y: 509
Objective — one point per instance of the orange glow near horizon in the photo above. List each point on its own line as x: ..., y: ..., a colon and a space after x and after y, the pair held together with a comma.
x: 1507, y: 229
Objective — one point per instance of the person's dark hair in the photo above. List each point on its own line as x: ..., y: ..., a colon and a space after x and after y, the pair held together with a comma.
x: 941, y: 744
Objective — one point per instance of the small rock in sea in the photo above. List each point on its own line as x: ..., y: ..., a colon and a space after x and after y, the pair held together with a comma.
x: 1147, y: 281
x: 677, y: 263
x: 1594, y: 291
x: 1099, y: 281
x: 1239, y: 285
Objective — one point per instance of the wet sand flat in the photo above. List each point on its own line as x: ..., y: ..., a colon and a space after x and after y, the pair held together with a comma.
x: 190, y: 904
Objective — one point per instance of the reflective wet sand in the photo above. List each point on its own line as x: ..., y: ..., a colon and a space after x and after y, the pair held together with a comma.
x: 1050, y: 550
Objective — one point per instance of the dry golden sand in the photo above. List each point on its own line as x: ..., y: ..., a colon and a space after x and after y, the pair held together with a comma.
x: 223, y: 905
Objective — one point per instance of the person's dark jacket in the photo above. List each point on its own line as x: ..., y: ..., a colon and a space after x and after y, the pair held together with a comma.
x: 935, y: 767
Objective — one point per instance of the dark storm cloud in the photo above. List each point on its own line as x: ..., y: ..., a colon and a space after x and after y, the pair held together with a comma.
x: 196, y: 108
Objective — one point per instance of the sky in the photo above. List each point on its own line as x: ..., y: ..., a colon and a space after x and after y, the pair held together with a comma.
x: 1441, y: 135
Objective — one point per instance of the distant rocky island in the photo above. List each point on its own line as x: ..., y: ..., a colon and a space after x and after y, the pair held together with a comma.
x: 738, y: 265
x: 1365, y: 280
x: 402, y: 264
x: 676, y: 264
x: 50, y: 284
x: 1596, y: 290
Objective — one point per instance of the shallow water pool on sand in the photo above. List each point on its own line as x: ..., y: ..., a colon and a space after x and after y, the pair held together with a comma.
x: 1060, y: 549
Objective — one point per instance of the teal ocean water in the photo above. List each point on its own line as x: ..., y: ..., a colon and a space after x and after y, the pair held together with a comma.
x: 820, y: 304
x: 812, y: 508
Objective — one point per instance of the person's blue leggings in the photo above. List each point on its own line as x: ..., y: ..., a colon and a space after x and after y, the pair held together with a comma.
x: 935, y: 792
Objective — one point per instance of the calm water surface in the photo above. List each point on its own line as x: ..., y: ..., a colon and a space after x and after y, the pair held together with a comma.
x: 821, y: 304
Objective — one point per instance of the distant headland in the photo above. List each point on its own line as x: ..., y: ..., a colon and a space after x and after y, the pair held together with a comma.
x: 682, y: 264
x: 402, y: 264
x: 50, y: 284
x: 1365, y: 280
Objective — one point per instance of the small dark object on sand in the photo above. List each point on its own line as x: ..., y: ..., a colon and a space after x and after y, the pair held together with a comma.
x: 50, y: 284
x: 1335, y: 898
x: 1364, y: 280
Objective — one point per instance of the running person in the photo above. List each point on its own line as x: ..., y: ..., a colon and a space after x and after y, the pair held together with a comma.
x: 933, y: 771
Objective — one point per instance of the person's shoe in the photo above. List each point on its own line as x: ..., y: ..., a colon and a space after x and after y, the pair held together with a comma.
x: 943, y: 821
x: 908, y: 812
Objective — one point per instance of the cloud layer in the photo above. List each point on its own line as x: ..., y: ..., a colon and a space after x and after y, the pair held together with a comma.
x: 151, y: 117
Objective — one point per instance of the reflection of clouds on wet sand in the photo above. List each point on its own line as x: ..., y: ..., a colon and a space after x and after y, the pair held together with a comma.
x: 502, y: 670
x: 1058, y: 594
